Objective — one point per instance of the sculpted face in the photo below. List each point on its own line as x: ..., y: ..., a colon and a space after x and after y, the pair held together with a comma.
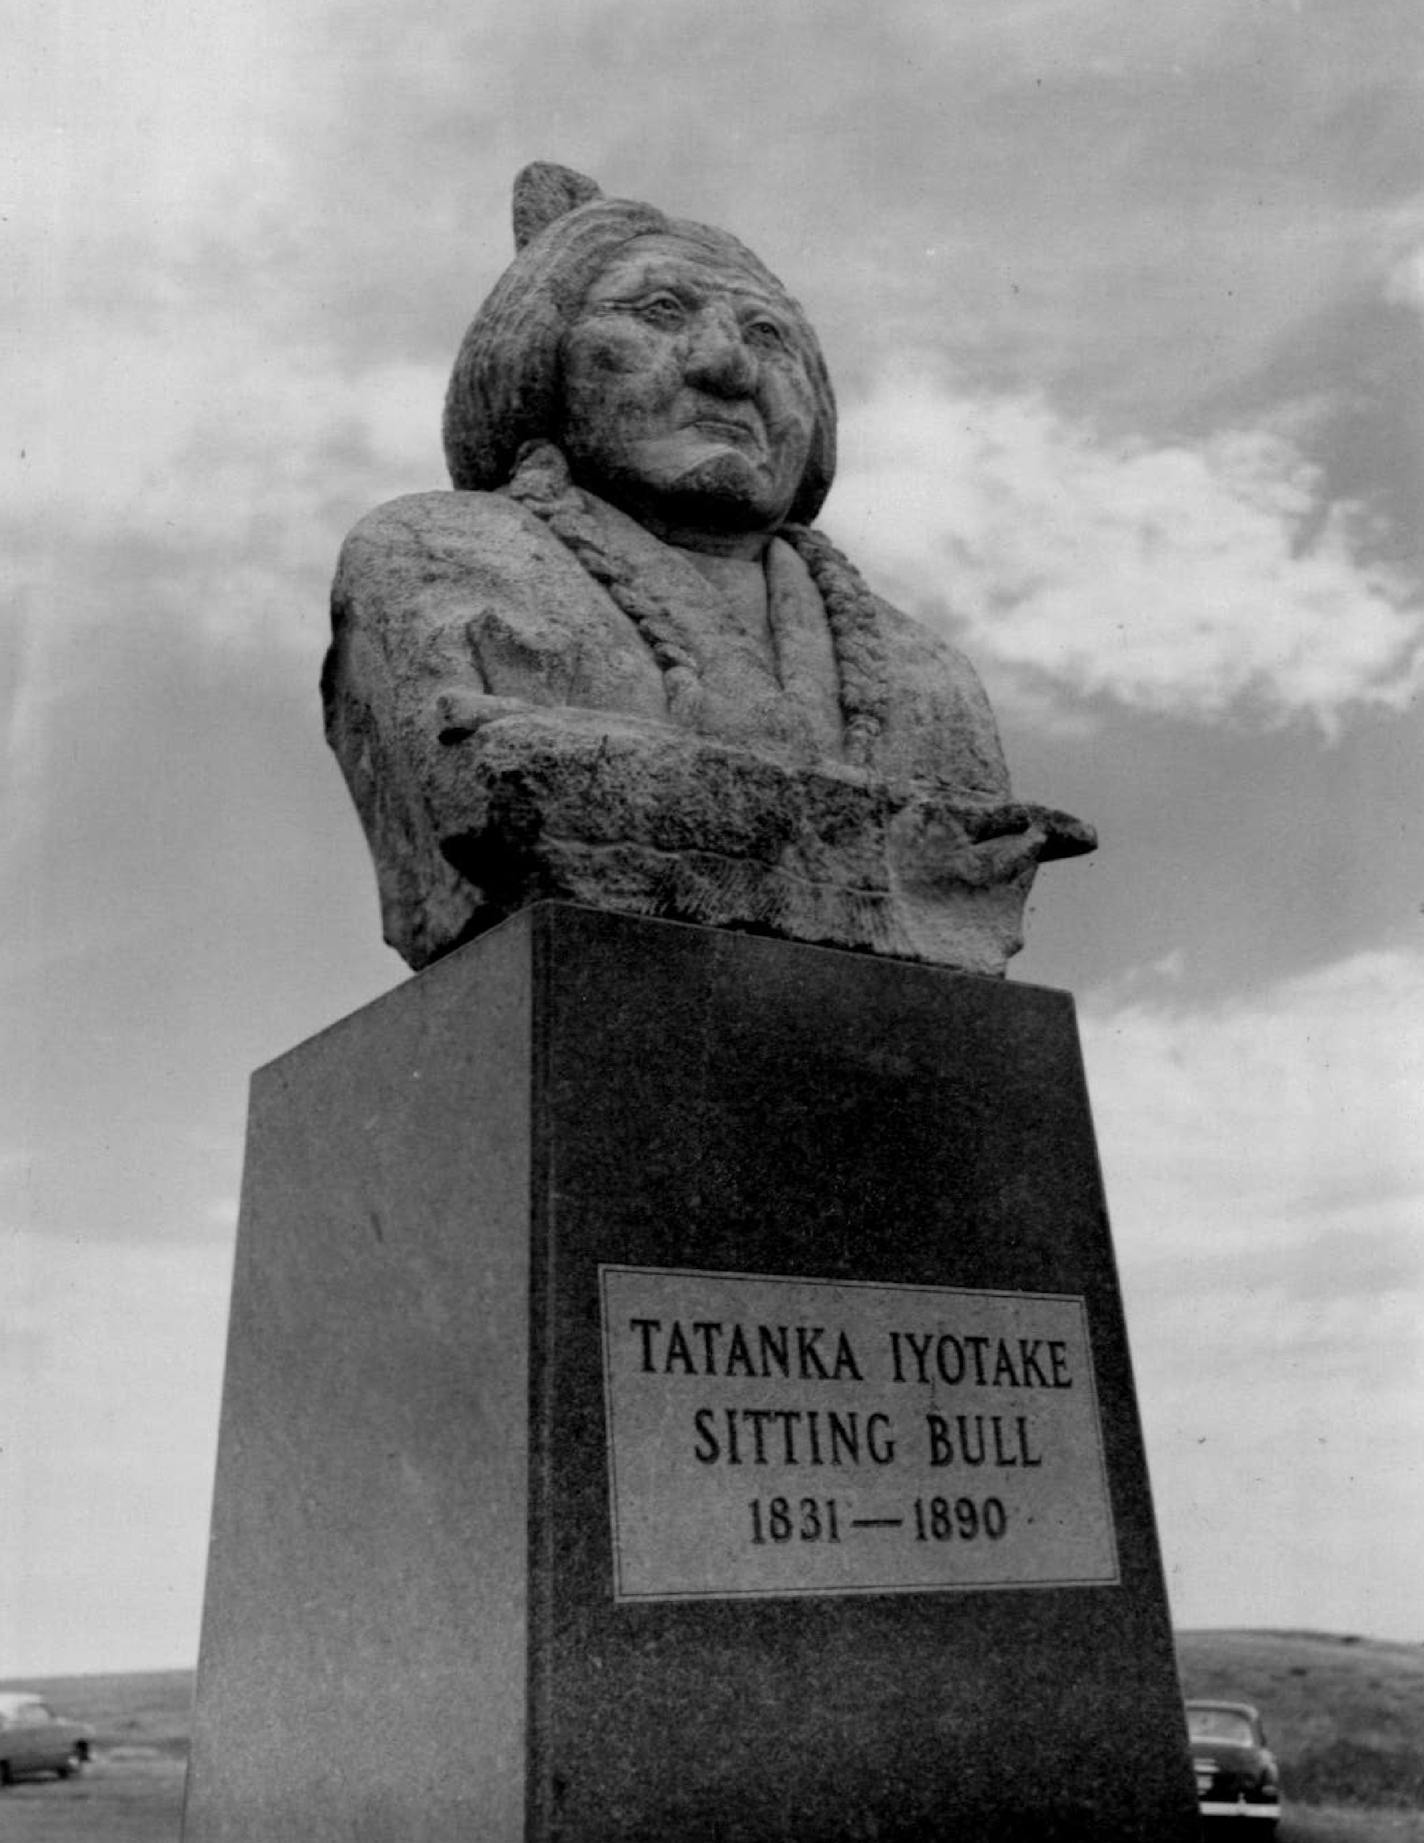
x: 686, y: 401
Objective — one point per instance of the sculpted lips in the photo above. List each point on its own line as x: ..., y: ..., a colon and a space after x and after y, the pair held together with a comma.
x: 745, y: 429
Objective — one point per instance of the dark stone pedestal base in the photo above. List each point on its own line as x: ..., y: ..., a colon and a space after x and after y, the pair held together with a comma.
x: 439, y: 1608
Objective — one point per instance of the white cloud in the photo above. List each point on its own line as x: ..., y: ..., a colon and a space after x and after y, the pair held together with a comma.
x: 235, y: 467
x: 1318, y: 1082
x: 185, y: 436
x: 110, y: 1370
x: 141, y: 117
x: 1405, y: 283
x: 1266, y: 1182
x: 1192, y: 581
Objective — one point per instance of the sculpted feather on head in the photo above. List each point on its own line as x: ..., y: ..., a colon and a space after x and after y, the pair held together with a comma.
x: 506, y: 387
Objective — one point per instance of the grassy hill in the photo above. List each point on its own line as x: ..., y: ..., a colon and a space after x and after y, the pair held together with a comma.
x: 1344, y: 1715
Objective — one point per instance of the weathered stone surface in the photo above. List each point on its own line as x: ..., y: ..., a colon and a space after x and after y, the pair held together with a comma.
x: 618, y: 665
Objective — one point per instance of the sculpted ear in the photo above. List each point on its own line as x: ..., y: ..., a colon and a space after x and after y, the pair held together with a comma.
x: 544, y: 192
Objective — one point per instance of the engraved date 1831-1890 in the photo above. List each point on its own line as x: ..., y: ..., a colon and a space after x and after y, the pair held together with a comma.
x: 930, y: 1519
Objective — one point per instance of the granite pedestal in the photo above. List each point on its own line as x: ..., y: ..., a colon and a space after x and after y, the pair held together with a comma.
x: 677, y: 1388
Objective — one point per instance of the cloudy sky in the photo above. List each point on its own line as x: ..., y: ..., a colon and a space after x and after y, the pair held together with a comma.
x: 1125, y: 305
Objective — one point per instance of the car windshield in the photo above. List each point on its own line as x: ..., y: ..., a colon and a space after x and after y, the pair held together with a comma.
x: 1220, y: 1725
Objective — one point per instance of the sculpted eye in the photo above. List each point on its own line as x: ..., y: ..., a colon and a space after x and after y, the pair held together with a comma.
x: 661, y: 310
x: 764, y: 333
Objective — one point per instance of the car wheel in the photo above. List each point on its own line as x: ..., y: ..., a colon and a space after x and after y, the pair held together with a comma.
x: 5, y: 1778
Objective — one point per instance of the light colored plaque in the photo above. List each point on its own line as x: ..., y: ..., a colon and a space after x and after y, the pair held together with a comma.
x: 772, y: 1436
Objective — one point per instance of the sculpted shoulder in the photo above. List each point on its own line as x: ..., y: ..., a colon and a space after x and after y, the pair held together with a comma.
x: 472, y: 587
x: 939, y: 721
x: 444, y: 535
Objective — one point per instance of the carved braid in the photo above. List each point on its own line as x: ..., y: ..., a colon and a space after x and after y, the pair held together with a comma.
x: 855, y: 636
x: 541, y: 483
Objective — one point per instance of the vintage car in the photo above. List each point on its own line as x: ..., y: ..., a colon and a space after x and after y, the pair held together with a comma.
x: 33, y: 1739
x: 1236, y: 1770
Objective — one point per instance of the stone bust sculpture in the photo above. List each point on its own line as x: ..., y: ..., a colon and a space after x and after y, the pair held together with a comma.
x: 618, y: 663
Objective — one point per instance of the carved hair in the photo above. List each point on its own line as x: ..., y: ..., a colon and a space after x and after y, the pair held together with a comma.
x: 541, y: 484
x: 507, y: 385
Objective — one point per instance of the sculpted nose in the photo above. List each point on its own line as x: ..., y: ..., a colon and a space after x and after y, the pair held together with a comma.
x: 719, y: 360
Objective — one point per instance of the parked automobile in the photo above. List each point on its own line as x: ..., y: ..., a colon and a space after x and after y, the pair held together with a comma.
x: 33, y: 1739
x: 1236, y: 1770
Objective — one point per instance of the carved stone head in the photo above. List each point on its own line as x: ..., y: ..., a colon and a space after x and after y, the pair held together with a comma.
x: 663, y: 356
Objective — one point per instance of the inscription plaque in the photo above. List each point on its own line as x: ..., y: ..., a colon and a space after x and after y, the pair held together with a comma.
x: 772, y: 1436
